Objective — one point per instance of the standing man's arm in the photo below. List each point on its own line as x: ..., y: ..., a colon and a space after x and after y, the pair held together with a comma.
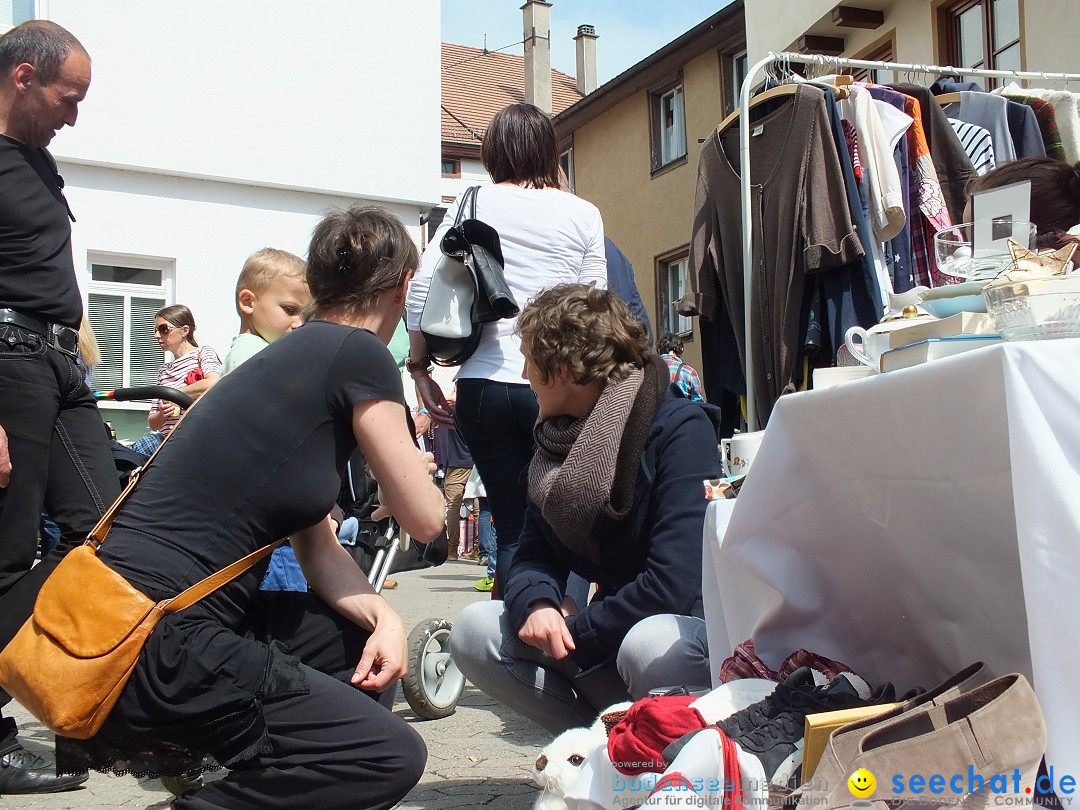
x: 5, y: 459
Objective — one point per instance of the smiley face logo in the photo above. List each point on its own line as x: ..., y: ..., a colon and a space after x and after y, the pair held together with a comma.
x: 861, y: 783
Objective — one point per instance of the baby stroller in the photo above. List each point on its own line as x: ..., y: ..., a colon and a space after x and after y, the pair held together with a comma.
x: 434, y: 684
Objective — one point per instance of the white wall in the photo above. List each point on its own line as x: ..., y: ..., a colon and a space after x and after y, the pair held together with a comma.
x: 333, y: 95
x: 473, y: 173
x: 206, y: 228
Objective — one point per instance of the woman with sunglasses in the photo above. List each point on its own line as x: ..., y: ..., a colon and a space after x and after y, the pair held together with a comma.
x: 273, y: 692
x: 193, y: 368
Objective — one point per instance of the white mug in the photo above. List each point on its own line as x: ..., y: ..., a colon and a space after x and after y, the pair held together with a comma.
x: 866, y: 347
x: 737, y: 452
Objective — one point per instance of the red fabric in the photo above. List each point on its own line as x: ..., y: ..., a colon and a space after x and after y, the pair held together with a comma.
x: 636, y: 744
x: 673, y: 781
x: 732, y: 774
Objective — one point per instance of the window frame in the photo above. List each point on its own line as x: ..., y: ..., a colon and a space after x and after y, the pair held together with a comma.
x: 665, y: 311
x: 882, y: 50
x: 165, y: 292
x: 948, y: 19
x: 656, y: 93
x: 456, y: 170
x: 731, y: 82
x: 566, y: 162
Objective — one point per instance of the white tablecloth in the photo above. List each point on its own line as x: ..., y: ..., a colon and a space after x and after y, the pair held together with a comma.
x: 911, y: 523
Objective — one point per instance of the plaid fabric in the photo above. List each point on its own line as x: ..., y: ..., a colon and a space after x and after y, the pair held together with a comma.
x: 684, y: 376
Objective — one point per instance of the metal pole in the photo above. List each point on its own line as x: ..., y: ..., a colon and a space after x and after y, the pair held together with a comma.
x: 748, y: 239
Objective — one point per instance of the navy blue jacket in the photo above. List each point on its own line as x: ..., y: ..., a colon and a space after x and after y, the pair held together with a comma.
x: 652, y: 564
x: 620, y: 280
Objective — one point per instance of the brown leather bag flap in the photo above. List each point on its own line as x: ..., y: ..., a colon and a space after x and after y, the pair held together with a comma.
x: 86, y: 607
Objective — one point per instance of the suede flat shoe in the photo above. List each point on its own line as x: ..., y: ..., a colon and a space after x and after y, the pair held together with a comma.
x: 979, y: 748
x: 832, y: 768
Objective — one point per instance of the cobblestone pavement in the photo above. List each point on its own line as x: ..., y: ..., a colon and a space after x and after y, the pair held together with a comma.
x: 481, y: 756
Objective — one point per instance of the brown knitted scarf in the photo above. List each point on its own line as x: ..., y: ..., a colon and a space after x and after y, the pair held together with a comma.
x: 584, y: 471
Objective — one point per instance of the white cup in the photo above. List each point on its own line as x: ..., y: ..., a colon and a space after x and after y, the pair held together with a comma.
x: 866, y: 347
x: 737, y: 452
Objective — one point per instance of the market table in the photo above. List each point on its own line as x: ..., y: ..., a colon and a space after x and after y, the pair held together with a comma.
x: 913, y: 522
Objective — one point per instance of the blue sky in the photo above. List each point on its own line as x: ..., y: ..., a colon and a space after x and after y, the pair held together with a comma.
x: 629, y: 30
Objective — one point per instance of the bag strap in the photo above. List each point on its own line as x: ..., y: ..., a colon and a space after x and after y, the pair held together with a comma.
x: 226, y: 575
x: 98, y: 533
x: 468, y: 202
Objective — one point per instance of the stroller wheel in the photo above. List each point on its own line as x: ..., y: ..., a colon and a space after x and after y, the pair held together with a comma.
x: 434, y: 683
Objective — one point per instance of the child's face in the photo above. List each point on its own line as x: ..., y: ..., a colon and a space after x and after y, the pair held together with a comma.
x: 276, y: 310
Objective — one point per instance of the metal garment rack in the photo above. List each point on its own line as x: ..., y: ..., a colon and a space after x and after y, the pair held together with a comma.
x: 820, y: 60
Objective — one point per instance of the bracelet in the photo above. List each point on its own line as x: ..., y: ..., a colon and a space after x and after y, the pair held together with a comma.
x: 414, y: 366
x: 422, y: 410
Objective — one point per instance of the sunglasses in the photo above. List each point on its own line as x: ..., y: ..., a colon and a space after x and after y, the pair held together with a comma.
x: 164, y: 328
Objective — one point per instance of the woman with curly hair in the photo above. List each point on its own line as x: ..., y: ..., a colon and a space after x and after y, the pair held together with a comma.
x: 614, y: 495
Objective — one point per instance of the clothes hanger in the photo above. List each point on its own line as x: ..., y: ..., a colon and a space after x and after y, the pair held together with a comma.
x: 944, y: 99
x: 760, y: 98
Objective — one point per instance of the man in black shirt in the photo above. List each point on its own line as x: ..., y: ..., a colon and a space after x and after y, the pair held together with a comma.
x: 53, y: 450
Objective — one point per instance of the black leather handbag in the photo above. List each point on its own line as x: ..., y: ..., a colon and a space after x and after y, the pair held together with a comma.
x: 468, y: 288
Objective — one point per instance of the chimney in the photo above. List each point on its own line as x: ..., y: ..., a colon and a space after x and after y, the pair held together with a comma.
x: 586, y: 59
x: 537, y: 36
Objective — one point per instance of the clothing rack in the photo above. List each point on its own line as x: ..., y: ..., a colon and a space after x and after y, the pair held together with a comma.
x: 821, y: 60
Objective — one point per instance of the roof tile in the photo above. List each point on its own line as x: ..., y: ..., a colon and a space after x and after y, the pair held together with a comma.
x: 477, y: 84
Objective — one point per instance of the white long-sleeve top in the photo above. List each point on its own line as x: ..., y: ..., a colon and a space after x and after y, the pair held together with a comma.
x: 548, y: 237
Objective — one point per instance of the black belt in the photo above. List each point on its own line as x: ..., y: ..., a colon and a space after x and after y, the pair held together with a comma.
x: 62, y: 338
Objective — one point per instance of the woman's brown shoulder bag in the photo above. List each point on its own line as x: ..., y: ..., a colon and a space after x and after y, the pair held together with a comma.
x: 70, y: 661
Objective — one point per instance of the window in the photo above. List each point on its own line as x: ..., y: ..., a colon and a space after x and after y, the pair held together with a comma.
x: 882, y: 51
x: 13, y: 12
x: 738, y: 76
x: 671, y: 284
x: 122, y: 298
x: 982, y: 34
x: 566, y: 161
x: 451, y: 167
x: 668, y: 124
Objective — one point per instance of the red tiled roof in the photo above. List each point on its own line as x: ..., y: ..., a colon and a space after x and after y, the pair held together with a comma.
x: 476, y: 85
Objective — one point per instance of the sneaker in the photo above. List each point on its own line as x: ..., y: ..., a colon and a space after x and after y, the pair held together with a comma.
x: 482, y: 558
x: 772, y: 729
x: 485, y: 584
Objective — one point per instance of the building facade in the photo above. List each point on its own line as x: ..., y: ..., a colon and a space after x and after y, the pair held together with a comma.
x: 214, y: 129
x: 997, y: 34
x: 634, y: 145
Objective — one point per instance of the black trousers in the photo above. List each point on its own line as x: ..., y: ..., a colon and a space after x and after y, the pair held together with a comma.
x: 60, y: 461
x: 496, y: 421
x: 335, y: 747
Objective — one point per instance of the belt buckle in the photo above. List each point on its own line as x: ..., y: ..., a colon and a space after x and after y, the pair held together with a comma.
x: 66, y: 340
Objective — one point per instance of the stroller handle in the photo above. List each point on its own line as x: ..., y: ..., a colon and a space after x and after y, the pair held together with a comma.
x: 174, y: 395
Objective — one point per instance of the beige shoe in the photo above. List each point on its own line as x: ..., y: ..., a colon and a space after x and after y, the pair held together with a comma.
x: 832, y: 768
x: 986, y: 745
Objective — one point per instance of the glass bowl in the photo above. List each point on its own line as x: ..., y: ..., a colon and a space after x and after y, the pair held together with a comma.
x: 1037, y: 309
x: 956, y: 257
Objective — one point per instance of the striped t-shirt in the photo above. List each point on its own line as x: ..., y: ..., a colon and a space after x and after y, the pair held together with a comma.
x: 174, y: 375
x: 977, y: 143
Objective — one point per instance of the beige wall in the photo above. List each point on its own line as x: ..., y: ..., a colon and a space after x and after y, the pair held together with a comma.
x: 1048, y: 33
x: 773, y: 25
x: 648, y: 216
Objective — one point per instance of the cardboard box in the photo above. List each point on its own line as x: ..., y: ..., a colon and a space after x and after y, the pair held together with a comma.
x: 820, y: 726
x: 963, y: 323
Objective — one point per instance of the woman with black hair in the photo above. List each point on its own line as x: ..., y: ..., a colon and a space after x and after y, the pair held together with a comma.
x: 276, y: 696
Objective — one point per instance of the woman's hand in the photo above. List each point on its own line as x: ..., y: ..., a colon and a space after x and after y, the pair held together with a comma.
x: 434, y: 400
x: 386, y: 654
x: 546, y: 630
